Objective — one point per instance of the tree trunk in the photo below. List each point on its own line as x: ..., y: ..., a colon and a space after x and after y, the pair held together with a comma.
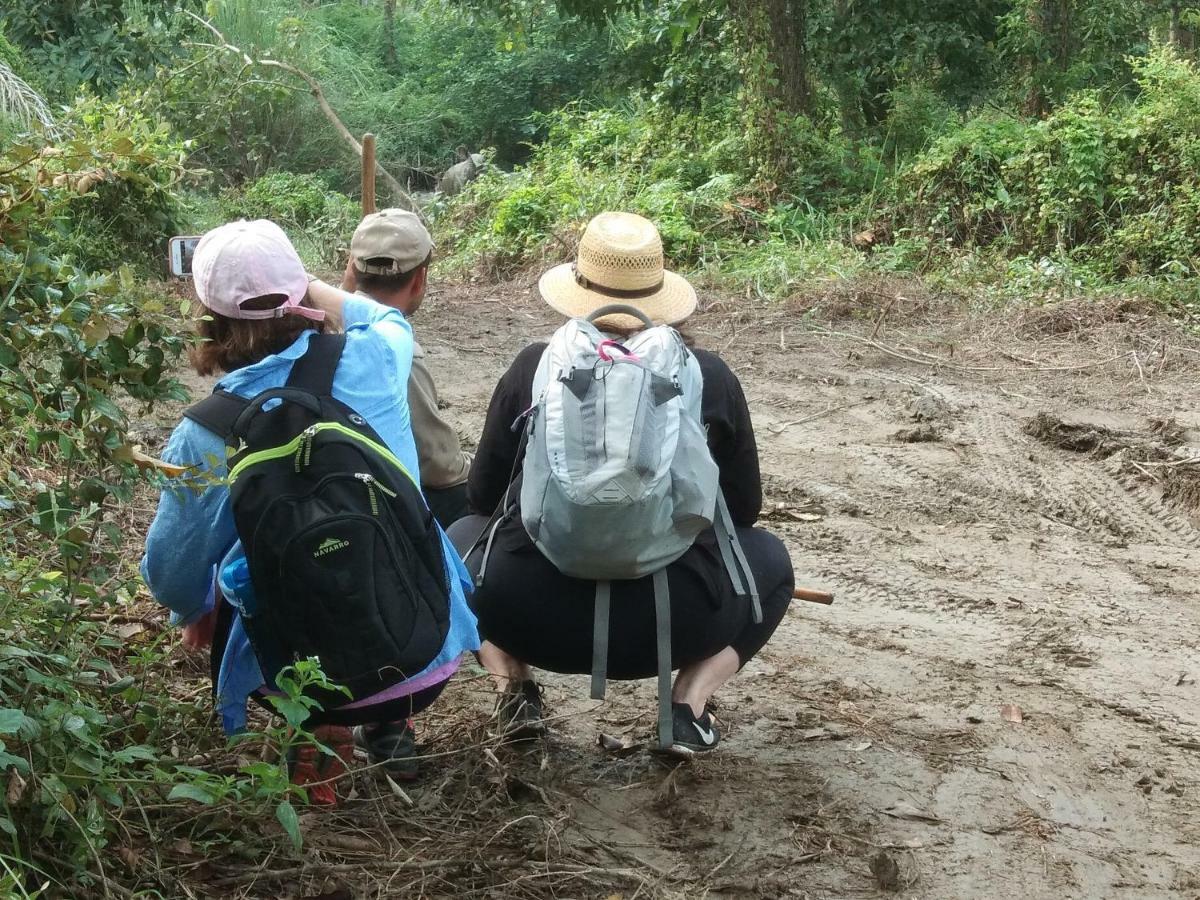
x: 1182, y: 38
x: 389, y: 32
x: 779, y: 30
x: 1051, y: 20
x: 773, y: 35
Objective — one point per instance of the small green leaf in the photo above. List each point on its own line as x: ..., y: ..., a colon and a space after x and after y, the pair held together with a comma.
x: 286, y: 814
x: 293, y: 711
x: 192, y: 792
x: 13, y: 721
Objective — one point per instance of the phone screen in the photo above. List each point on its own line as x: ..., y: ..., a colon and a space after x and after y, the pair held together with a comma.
x: 180, y: 252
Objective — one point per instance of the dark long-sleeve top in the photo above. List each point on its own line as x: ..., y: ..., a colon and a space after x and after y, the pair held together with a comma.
x: 723, y: 410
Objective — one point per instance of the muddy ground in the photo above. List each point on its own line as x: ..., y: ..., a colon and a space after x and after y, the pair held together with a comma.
x: 1002, y: 703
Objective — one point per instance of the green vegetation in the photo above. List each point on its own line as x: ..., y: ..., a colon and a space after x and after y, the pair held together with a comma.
x: 1005, y: 148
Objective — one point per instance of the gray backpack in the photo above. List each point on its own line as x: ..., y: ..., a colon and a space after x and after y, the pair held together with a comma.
x: 618, y: 478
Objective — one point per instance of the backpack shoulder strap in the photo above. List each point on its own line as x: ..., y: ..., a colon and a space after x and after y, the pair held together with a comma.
x: 313, y: 372
x: 734, y: 557
x: 217, y: 412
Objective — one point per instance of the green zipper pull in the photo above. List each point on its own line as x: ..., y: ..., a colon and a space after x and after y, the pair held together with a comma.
x: 309, y: 434
x: 369, y: 481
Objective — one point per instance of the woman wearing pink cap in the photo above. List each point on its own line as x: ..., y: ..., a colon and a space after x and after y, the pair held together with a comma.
x: 259, y: 322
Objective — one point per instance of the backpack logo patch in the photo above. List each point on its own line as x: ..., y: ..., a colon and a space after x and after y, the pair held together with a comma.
x: 330, y: 545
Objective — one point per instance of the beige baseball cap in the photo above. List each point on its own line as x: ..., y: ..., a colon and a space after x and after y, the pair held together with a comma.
x: 395, y: 235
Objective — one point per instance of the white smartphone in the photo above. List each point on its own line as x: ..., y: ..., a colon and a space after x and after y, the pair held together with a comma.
x: 179, y: 254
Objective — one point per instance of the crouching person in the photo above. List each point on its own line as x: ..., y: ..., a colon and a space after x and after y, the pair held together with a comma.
x: 308, y: 537
x: 626, y: 544
x: 390, y: 254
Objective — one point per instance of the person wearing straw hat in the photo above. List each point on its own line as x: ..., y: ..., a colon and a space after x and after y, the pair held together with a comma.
x: 530, y: 613
x: 260, y: 313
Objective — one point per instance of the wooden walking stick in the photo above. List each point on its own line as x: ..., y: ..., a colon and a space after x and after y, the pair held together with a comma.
x: 368, y: 174
x: 812, y: 595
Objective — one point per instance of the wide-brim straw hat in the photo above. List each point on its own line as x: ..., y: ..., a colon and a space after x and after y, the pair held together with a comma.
x: 620, y: 261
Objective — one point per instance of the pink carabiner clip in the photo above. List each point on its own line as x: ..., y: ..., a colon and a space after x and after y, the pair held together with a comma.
x: 602, y: 349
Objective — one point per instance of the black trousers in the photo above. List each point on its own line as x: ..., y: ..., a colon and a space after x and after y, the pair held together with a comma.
x: 448, y: 505
x: 532, y: 611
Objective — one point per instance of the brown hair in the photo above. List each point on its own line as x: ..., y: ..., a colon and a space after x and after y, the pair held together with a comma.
x: 374, y: 284
x: 227, y: 344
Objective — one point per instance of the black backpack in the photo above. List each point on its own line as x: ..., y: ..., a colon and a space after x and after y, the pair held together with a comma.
x: 345, y: 558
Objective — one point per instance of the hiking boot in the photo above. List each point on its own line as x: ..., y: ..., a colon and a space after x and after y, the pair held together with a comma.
x: 519, y: 712
x: 692, y: 735
x: 391, y: 746
x: 317, y: 771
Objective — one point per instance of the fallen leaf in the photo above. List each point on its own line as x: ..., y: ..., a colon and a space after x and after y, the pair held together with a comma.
x: 183, y: 847
x: 133, y: 453
x: 130, y: 857
x: 859, y: 748
x: 399, y: 791
x: 911, y: 813
x: 16, y: 789
x: 1010, y: 712
x: 886, y: 871
x: 350, y: 843
x: 621, y: 746
x: 129, y: 630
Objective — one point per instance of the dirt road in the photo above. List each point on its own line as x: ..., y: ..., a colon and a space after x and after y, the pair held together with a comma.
x: 1002, y: 703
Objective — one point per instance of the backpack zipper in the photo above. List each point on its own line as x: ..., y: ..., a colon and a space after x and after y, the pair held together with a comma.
x: 304, y: 451
x: 372, y: 483
x: 304, y: 440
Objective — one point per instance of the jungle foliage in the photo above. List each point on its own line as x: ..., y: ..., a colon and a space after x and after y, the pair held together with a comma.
x: 1015, y: 146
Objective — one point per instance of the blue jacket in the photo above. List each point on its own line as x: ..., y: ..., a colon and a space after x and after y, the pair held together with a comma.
x: 193, y: 536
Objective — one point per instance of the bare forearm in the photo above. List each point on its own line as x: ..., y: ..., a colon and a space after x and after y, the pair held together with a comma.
x: 330, y: 299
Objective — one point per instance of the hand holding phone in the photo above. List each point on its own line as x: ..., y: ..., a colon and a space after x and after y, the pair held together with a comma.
x: 180, y: 251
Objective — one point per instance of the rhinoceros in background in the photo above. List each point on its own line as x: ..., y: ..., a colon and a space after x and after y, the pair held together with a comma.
x: 462, y: 173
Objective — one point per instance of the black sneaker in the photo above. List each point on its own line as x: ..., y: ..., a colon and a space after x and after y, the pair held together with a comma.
x: 519, y: 712
x: 392, y: 745
x: 692, y: 735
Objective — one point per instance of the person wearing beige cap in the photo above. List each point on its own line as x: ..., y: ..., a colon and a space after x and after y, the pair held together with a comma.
x: 390, y: 254
x: 531, y: 613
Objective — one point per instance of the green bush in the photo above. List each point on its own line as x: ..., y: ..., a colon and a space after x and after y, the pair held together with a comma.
x: 76, y: 349
x: 689, y: 172
x: 282, y: 196
x: 113, y: 181
x: 1113, y: 186
x: 319, y: 221
x: 86, y: 718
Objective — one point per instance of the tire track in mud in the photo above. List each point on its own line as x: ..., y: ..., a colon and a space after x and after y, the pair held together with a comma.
x: 1157, y: 507
x: 1083, y: 494
x: 937, y: 488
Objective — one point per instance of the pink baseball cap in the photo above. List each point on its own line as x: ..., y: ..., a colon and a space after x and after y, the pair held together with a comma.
x: 242, y: 260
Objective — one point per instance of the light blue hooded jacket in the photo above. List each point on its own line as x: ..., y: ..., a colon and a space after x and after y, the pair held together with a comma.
x: 193, y: 539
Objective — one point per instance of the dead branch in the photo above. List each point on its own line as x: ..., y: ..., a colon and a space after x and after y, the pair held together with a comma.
x: 401, y: 196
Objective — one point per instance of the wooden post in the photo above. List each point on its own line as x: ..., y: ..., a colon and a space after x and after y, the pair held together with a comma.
x: 368, y: 174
